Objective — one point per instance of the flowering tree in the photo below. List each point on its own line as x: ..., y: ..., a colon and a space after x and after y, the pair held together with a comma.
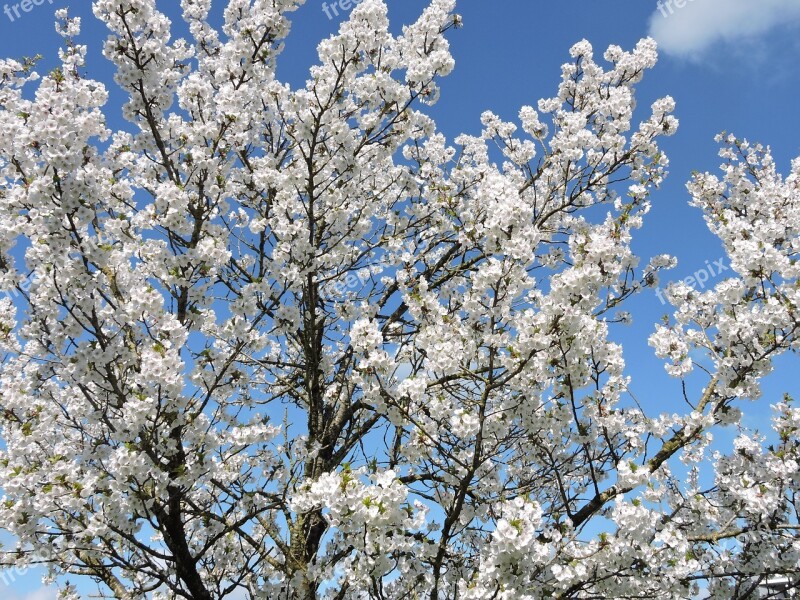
x: 290, y: 343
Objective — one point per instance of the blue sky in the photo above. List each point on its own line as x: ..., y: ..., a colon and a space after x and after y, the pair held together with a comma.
x: 730, y: 64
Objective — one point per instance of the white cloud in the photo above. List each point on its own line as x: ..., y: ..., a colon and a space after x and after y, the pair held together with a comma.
x: 42, y: 593
x: 688, y: 27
